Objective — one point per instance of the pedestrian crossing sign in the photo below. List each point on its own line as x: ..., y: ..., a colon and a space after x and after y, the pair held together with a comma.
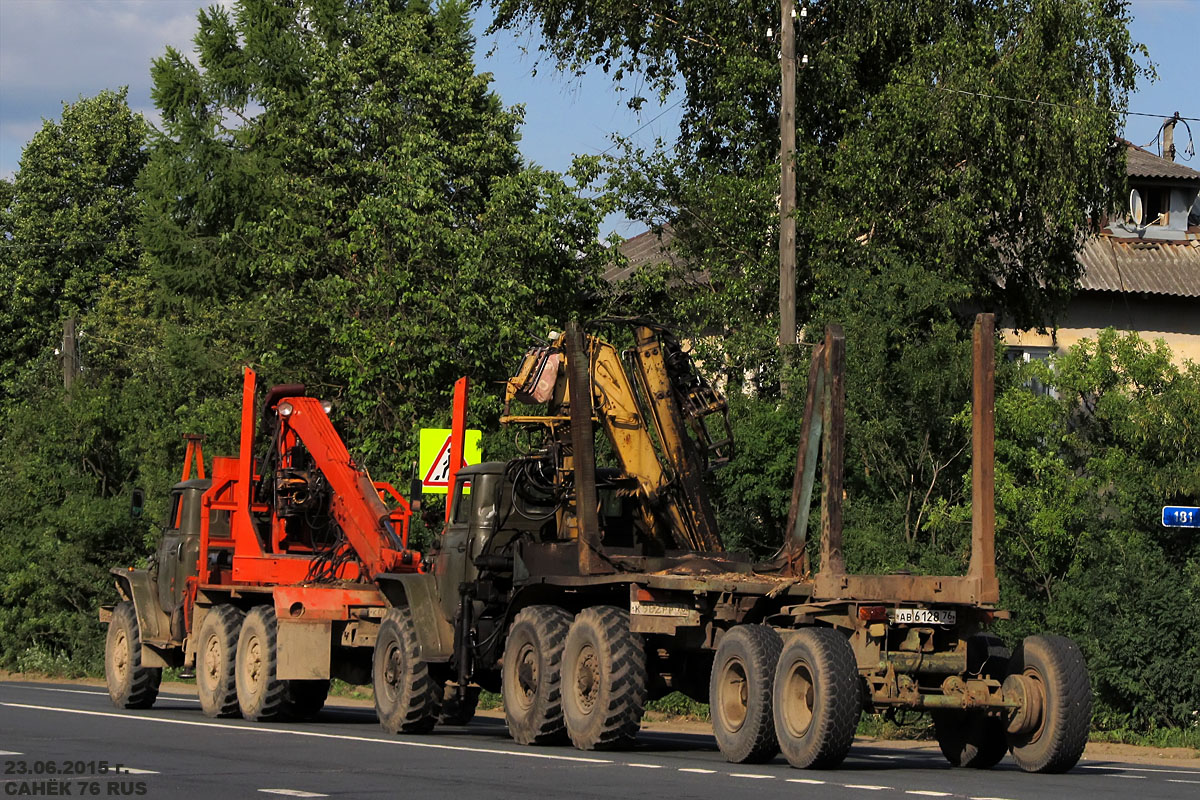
x: 434, y: 463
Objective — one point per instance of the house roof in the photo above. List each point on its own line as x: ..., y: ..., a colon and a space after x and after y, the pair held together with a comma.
x: 1141, y: 163
x: 647, y: 249
x: 1112, y: 264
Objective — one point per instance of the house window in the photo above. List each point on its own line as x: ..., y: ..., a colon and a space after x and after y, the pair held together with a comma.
x: 1156, y: 204
x: 1028, y: 354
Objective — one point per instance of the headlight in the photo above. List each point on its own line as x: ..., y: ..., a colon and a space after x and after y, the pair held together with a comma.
x: 327, y: 405
x: 284, y: 409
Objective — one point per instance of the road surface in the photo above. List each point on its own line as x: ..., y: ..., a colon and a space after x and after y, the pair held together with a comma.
x: 55, y: 740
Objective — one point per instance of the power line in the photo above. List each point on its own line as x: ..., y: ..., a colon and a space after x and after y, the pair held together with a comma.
x: 647, y: 124
x: 1051, y: 103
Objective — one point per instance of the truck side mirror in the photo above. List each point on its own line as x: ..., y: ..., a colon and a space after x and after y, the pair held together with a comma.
x: 137, y: 503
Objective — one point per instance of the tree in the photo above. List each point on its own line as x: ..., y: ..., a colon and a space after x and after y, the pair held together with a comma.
x: 338, y: 197
x: 926, y: 193
x: 69, y: 219
x: 1082, y: 474
x: 67, y: 457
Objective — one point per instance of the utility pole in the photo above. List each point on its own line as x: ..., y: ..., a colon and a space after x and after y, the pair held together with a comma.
x: 787, y: 189
x: 1168, y: 137
x: 70, y: 357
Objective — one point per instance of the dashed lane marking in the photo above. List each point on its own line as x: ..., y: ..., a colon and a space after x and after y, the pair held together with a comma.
x: 809, y: 781
x: 928, y: 793
x: 314, y: 734
x: 646, y: 766
x: 868, y: 786
x: 133, y: 771
x: 1129, y: 777
x: 162, y: 695
x: 10, y: 753
x: 990, y: 798
x: 1180, y: 780
x: 292, y: 792
x: 750, y: 775
x: 1123, y: 768
x: 698, y: 771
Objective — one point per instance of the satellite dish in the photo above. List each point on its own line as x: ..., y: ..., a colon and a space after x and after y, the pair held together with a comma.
x: 1135, y: 207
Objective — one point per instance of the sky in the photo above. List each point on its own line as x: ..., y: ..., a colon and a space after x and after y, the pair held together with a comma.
x: 53, y: 51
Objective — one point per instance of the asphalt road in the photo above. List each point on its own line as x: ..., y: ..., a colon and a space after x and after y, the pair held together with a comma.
x: 53, y: 739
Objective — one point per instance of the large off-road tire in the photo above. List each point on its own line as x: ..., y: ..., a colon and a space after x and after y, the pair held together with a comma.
x: 216, y: 661
x: 456, y: 708
x: 262, y: 697
x: 739, y: 694
x: 531, y: 678
x: 604, y: 680
x: 306, y: 698
x: 818, y: 698
x: 970, y: 738
x: 406, y: 698
x: 1054, y: 667
x: 130, y: 685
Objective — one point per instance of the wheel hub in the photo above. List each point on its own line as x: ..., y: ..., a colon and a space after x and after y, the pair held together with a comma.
x: 121, y: 655
x: 527, y: 674
x: 1027, y: 690
x: 799, y: 698
x: 587, y: 679
x: 733, y: 695
x: 212, y: 659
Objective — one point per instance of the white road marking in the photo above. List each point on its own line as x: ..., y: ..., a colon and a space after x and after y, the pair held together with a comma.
x: 1129, y: 777
x: 292, y: 793
x: 749, y: 775
x: 161, y: 696
x: 869, y: 787
x: 1178, y: 780
x: 698, y: 771
x: 133, y: 771
x: 10, y: 753
x: 315, y: 734
x: 927, y: 793
x: 989, y: 798
x: 1123, y: 768
x: 646, y: 766
x: 810, y: 781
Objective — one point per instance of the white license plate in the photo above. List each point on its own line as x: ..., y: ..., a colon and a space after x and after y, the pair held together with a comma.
x: 924, y: 616
x: 651, y: 609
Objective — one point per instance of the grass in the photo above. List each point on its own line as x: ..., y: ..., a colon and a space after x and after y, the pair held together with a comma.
x: 1157, y: 737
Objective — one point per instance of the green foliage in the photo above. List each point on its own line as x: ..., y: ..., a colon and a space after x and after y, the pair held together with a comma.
x: 1081, y: 479
x: 67, y: 458
x: 336, y: 197
x: 677, y: 704
x: 68, y: 220
x: 343, y: 195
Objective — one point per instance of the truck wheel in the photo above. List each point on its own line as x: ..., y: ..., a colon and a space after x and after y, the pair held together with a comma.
x: 970, y: 738
x: 531, y: 680
x: 739, y: 694
x: 216, y: 661
x: 262, y: 697
x: 130, y: 685
x: 458, y: 709
x: 1052, y: 674
x: 307, y: 698
x: 817, y: 698
x: 406, y: 698
x: 604, y: 680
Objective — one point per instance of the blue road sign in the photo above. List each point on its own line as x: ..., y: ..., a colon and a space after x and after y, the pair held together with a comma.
x: 1181, y: 517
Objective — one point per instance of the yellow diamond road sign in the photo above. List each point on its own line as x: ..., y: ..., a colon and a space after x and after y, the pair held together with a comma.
x: 434, y: 463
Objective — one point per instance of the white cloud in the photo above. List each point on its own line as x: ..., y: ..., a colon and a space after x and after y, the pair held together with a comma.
x: 54, y: 51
